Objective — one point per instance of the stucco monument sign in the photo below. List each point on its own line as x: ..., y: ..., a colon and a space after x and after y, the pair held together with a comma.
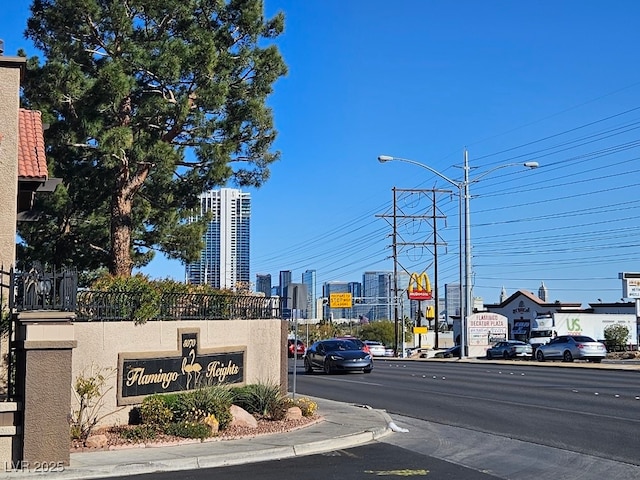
x: 142, y: 374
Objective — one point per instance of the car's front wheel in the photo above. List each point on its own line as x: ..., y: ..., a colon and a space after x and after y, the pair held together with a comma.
x: 327, y: 368
x: 367, y: 369
x: 307, y: 365
x: 539, y: 356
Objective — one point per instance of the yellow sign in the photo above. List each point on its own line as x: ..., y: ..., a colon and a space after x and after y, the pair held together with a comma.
x: 340, y: 300
x: 419, y: 287
x: 420, y: 330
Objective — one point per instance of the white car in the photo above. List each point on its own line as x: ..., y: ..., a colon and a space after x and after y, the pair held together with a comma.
x: 426, y: 353
x: 377, y: 349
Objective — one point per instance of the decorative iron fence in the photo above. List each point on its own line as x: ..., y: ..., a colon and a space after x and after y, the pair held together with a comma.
x: 37, y: 289
x: 130, y: 306
x: 7, y: 289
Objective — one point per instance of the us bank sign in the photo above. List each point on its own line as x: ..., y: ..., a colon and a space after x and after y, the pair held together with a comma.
x: 142, y: 374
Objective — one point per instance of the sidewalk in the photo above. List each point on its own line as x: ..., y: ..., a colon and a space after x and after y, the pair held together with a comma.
x: 342, y: 426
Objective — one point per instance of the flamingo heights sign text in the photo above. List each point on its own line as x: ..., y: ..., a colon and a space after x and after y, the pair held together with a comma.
x: 142, y: 374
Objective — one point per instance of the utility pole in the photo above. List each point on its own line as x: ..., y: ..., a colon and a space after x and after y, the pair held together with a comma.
x: 436, y: 309
x: 395, y: 247
x: 395, y: 275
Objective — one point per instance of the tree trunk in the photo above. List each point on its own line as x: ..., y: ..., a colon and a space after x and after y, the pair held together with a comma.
x: 121, y: 263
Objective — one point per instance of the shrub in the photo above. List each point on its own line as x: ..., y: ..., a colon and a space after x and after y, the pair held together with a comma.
x: 142, y: 300
x: 90, y: 389
x: 262, y: 399
x: 616, y: 336
x: 306, y: 405
x: 196, y: 405
x: 154, y: 411
x: 189, y: 430
x: 138, y: 433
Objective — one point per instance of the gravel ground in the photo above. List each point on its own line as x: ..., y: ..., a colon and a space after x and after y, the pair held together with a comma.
x: 265, y: 427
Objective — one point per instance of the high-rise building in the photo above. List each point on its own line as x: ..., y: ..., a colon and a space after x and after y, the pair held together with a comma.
x: 285, y: 280
x: 377, y: 293
x: 263, y: 283
x: 309, y: 279
x: 452, y: 301
x: 224, y: 261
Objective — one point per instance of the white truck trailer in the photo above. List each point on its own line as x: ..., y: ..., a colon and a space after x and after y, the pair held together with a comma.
x: 592, y: 325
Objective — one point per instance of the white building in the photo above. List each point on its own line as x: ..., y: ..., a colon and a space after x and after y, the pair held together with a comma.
x: 224, y: 261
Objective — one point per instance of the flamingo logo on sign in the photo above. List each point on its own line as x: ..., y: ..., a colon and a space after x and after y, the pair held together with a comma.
x: 419, y: 287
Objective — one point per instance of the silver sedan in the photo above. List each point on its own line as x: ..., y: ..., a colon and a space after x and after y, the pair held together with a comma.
x: 510, y: 349
x: 568, y: 348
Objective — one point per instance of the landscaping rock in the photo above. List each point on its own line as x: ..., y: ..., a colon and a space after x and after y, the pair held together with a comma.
x: 293, y: 413
x: 242, y: 418
x: 96, y: 441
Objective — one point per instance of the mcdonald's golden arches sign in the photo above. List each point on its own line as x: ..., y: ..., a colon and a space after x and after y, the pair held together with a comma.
x: 419, y: 287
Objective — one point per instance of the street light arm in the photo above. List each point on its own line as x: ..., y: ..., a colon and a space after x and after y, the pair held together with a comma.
x: 387, y: 158
x: 530, y: 165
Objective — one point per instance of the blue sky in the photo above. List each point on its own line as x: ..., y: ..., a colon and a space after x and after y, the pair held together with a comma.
x: 557, y: 82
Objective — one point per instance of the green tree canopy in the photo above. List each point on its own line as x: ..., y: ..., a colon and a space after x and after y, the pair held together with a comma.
x: 616, y: 335
x: 379, y: 331
x: 149, y: 104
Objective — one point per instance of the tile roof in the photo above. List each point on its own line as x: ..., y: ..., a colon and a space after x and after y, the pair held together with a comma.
x: 32, y: 162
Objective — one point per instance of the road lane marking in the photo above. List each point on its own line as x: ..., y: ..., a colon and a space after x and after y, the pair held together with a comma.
x: 398, y: 473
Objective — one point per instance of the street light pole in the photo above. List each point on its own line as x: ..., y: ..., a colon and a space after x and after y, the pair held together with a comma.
x: 466, y: 301
x: 468, y: 298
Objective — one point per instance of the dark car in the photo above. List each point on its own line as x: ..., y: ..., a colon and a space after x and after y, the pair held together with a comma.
x: 359, y: 343
x: 510, y: 349
x: 293, y: 350
x: 337, y: 355
x: 448, y: 353
x: 568, y: 348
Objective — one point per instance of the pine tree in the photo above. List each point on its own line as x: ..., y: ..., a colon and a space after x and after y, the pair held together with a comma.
x: 149, y: 103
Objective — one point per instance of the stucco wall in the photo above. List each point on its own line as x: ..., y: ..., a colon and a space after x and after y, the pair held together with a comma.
x: 10, y: 71
x: 99, y: 343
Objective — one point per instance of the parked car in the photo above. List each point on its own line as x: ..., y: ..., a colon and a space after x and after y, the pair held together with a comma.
x: 360, y: 344
x: 293, y: 350
x: 337, y: 355
x: 510, y: 349
x: 377, y: 349
x: 448, y: 353
x: 569, y: 348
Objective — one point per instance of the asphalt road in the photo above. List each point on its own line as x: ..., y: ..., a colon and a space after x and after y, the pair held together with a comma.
x: 370, y: 461
x: 581, y: 410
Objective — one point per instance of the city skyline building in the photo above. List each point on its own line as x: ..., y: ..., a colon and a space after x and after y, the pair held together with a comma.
x: 377, y: 293
x: 452, y: 302
x: 309, y: 279
x: 284, y: 277
x: 263, y: 283
x: 225, y: 259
